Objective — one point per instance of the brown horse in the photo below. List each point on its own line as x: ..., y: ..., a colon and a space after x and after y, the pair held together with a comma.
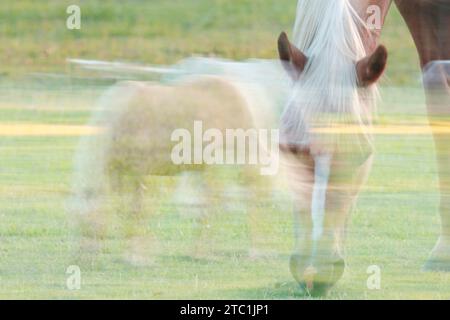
x: 429, y: 23
x: 326, y: 173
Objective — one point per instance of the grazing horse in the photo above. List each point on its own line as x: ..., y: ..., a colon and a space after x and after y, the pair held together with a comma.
x: 335, y: 62
x: 116, y: 170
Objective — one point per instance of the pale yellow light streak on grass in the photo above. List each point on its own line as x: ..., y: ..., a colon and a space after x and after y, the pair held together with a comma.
x: 436, y: 128
x: 27, y: 129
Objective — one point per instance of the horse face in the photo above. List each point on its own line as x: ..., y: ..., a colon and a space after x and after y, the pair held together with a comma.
x: 325, y: 180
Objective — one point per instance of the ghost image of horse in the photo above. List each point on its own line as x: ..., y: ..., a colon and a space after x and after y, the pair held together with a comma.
x: 333, y: 87
x: 114, y: 169
x: 335, y: 62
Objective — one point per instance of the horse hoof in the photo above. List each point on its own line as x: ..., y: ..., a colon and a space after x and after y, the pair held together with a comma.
x: 297, y: 265
x: 89, y: 251
x: 316, y: 281
x: 436, y: 265
x: 258, y: 255
x: 138, y: 261
x: 318, y: 291
x: 141, y: 252
x: 439, y: 260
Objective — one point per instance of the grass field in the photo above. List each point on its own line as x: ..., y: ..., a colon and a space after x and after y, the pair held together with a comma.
x: 394, y: 226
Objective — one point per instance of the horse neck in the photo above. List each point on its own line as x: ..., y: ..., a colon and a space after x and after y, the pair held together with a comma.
x: 428, y: 22
x: 371, y: 39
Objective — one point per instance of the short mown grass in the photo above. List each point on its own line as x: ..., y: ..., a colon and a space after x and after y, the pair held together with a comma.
x: 394, y: 225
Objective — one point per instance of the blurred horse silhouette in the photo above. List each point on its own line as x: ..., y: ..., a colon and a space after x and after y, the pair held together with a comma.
x: 333, y: 63
x: 116, y: 171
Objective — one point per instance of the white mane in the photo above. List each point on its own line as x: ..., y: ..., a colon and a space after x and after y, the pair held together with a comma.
x: 326, y: 96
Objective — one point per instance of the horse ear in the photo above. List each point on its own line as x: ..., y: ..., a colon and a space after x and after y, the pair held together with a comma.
x: 370, y: 69
x: 291, y: 55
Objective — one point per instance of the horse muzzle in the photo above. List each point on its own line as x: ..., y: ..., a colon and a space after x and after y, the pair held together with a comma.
x: 316, y: 279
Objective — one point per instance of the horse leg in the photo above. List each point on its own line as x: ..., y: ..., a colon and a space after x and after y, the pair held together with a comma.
x: 341, y: 199
x: 302, y: 224
x: 91, y: 225
x: 438, y: 101
x: 140, y: 241
x: 88, y: 204
x: 300, y: 174
x: 258, y: 193
x: 429, y: 23
x: 335, y: 191
x: 206, y: 206
x: 440, y: 256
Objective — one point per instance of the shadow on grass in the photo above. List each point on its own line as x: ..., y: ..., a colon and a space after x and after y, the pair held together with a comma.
x: 278, y: 291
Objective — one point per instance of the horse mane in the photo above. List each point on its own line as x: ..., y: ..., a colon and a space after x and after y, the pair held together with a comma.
x: 326, y: 95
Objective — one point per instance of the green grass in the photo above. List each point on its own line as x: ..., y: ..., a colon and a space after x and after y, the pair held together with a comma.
x: 35, y: 39
x: 394, y: 226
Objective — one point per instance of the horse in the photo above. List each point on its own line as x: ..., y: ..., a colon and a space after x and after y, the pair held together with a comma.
x: 335, y: 61
x: 117, y: 171
x: 429, y: 24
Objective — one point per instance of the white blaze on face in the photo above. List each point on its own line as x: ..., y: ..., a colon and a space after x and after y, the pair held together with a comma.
x: 321, y: 178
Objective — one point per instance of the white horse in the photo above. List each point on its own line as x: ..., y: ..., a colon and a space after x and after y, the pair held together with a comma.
x: 116, y: 170
x: 333, y: 74
x: 334, y: 70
